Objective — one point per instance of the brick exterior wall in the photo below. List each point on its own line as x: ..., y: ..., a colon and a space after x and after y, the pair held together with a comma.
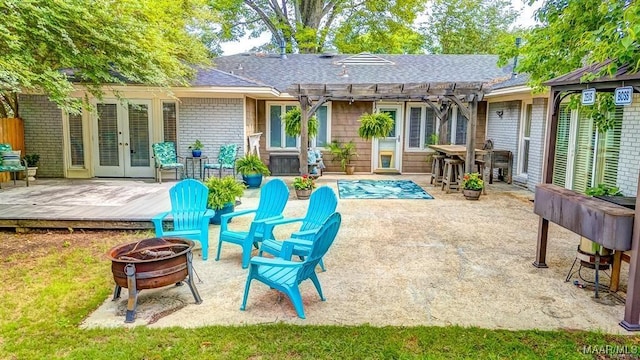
x: 43, y: 133
x: 214, y: 122
x: 504, y: 132
x: 628, y: 165
x: 537, y: 144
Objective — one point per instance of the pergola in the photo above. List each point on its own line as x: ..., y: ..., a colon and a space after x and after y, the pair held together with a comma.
x: 438, y: 95
x: 560, y: 88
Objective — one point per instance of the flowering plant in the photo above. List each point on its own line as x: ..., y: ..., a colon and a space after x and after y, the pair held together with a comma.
x: 303, y: 182
x: 472, y: 181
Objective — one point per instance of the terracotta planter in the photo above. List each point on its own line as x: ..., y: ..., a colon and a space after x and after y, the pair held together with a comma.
x: 350, y: 169
x: 471, y: 194
x: 303, y: 194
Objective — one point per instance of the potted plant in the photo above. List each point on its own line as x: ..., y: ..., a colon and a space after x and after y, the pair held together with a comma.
x: 376, y: 125
x: 196, y: 148
x: 252, y: 170
x: 472, y: 186
x: 32, y: 161
x: 222, y: 195
x: 592, y: 247
x: 344, y: 153
x: 303, y: 185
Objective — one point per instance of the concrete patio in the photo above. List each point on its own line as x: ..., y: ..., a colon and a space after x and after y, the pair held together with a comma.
x: 395, y: 262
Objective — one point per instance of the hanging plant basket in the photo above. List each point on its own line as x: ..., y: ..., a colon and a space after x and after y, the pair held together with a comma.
x: 375, y: 125
x: 292, y: 123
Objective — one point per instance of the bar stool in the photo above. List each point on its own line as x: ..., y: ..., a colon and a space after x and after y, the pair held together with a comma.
x: 437, y: 167
x: 453, y: 171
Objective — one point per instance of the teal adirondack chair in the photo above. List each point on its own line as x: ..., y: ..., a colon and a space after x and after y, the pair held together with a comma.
x: 285, y: 275
x: 273, y: 198
x: 226, y: 160
x: 189, y: 212
x: 322, y: 204
x: 166, y: 158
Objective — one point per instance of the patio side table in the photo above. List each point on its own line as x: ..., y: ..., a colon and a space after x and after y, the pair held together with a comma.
x: 193, y: 160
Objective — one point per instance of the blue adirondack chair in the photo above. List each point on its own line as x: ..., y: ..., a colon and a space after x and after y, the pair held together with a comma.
x: 273, y: 198
x: 226, y: 160
x: 189, y: 212
x: 285, y: 275
x: 322, y: 204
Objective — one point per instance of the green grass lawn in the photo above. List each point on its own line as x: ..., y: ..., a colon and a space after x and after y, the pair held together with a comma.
x: 44, y: 301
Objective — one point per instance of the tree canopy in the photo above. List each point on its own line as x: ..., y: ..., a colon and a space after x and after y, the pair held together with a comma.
x: 468, y: 26
x: 155, y: 42
x: 310, y: 26
x: 574, y: 33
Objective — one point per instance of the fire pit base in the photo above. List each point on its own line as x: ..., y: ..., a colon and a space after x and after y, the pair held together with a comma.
x: 149, y: 264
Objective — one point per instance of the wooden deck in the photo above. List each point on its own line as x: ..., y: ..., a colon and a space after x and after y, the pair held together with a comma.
x: 83, y: 204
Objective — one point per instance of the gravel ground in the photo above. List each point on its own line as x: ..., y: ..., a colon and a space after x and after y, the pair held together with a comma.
x: 446, y: 261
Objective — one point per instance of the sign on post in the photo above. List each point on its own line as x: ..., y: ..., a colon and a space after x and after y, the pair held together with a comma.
x: 588, y: 96
x: 623, y: 95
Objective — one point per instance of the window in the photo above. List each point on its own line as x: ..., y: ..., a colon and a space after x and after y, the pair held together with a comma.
x: 421, y: 128
x: 169, y: 116
x: 525, y: 142
x: 456, y: 127
x: 278, y: 140
x: 76, y: 140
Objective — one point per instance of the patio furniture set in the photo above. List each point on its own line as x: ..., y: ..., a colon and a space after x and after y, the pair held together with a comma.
x: 166, y: 158
x: 448, y: 165
x: 190, y: 219
x: 10, y: 162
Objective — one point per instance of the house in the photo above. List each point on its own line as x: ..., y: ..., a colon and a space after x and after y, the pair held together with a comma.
x: 248, y: 93
x: 517, y: 121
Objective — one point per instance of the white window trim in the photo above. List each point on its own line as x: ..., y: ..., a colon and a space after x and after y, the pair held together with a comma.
x: 523, y: 117
x: 423, y: 122
x: 283, y: 104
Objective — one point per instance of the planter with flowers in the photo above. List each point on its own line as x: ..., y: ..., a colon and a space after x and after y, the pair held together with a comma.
x: 472, y: 186
x: 303, y: 186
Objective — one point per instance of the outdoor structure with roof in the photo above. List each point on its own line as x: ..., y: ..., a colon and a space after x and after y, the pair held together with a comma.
x: 429, y: 96
x: 611, y: 226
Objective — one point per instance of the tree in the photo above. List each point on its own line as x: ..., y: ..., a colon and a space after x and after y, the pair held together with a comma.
x: 468, y: 26
x: 308, y: 26
x: 574, y: 33
x: 154, y: 42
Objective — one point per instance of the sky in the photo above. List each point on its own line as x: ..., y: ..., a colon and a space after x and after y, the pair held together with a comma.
x: 230, y: 48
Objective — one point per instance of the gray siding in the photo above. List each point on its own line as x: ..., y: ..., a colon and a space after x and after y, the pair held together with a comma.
x: 629, y: 163
x: 504, y: 131
x: 43, y: 133
x: 214, y: 122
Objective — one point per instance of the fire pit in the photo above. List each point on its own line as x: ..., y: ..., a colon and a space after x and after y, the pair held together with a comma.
x: 149, y: 264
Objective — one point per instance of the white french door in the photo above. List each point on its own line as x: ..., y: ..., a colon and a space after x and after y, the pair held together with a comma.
x: 122, y: 139
x: 388, y: 149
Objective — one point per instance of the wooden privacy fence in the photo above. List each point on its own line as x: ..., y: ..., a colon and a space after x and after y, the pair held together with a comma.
x: 12, y: 132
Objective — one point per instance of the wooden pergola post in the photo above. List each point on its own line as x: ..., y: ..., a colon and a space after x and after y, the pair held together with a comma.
x: 631, y: 320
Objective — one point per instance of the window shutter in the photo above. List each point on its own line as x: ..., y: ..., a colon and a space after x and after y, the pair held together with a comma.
x: 415, y: 115
x: 562, y: 146
x: 583, y: 162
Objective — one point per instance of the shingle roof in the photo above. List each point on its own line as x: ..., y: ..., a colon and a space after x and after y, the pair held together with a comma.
x: 215, y: 77
x: 312, y: 68
x: 517, y: 80
x: 623, y: 73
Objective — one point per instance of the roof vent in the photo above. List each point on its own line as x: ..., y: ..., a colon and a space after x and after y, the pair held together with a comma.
x: 364, y: 59
x: 327, y: 55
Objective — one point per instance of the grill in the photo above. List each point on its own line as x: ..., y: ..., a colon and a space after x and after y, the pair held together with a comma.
x: 150, y: 264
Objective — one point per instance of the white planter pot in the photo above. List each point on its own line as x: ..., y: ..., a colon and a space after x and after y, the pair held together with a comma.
x: 31, y: 173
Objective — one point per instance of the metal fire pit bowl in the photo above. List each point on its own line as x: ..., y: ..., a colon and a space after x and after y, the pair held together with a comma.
x: 149, y: 264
